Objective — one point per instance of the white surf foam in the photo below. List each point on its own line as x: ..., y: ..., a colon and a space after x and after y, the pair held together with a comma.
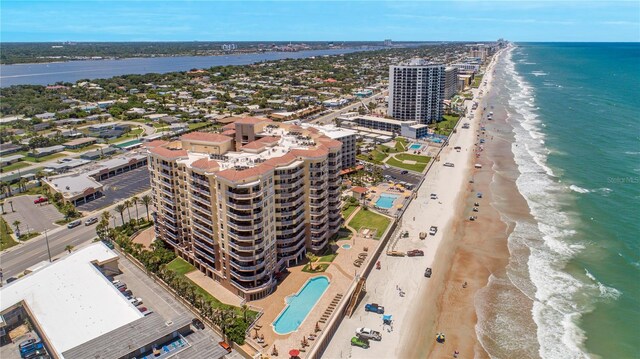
x: 578, y: 189
x: 539, y: 73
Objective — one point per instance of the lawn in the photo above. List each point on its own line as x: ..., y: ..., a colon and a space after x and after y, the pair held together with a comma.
x: 446, y: 126
x: 401, y: 144
x: 348, y: 209
x: 6, y: 241
x: 419, y: 166
x: 44, y: 158
x: 476, y: 81
x: 15, y: 166
x: 328, y: 258
x: 180, y: 266
x: 317, y: 268
x: 194, y: 126
x: 371, y: 220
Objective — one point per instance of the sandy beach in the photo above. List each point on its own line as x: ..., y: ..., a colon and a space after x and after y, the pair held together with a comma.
x: 415, y: 312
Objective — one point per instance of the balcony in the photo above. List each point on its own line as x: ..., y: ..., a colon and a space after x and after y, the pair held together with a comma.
x: 299, y: 191
x: 202, y: 237
x: 206, y: 229
x: 287, y: 222
x: 285, y: 232
x: 285, y: 243
x: 241, y: 276
x: 243, y: 195
x: 244, y: 206
x: 204, y: 254
x: 201, y: 215
x: 167, y: 192
x: 244, y: 238
x: 244, y: 217
x: 252, y: 288
x: 204, y: 202
x: 200, y: 182
x: 250, y: 227
x: 170, y: 202
x: 319, y: 204
x: 247, y: 267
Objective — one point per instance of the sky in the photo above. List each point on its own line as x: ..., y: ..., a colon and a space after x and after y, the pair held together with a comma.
x: 118, y: 20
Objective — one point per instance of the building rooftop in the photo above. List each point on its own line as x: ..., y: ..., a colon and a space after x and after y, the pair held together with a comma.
x: 71, y: 300
x: 73, y: 184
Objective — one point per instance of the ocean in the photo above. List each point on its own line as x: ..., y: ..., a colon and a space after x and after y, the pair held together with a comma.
x: 572, y: 109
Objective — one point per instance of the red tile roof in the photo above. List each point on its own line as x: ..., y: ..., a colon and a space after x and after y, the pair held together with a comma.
x: 254, y: 145
x: 206, y: 136
x: 165, y: 152
x: 229, y: 132
x: 360, y: 190
x: 235, y: 175
x: 205, y: 164
x: 155, y: 143
x: 229, y: 126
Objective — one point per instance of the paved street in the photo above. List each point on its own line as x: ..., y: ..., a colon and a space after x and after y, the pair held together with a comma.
x: 15, y: 260
x: 120, y: 187
x: 32, y: 217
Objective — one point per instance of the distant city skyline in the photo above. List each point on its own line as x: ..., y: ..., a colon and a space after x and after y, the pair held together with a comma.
x: 44, y: 21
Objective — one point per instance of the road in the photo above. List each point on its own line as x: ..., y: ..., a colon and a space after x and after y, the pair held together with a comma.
x: 15, y: 260
x: 328, y: 119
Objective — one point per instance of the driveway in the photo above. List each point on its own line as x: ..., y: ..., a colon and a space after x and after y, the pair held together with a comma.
x: 120, y: 187
x: 32, y: 217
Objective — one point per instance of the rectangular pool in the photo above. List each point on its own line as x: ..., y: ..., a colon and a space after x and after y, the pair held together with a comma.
x: 386, y: 200
x: 415, y: 146
x: 300, y: 304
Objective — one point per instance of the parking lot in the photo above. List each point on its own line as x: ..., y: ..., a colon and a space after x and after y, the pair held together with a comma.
x: 32, y: 217
x: 203, y: 343
x: 120, y: 187
x: 397, y: 175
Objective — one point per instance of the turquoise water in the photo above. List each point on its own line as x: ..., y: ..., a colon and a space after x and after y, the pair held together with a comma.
x: 575, y: 117
x: 415, y: 146
x: 386, y: 200
x: 346, y: 246
x: 300, y: 304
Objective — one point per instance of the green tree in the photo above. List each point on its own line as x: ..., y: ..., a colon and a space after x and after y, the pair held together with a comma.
x: 69, y: 248
x: 146, y: 201
x: 17, y: 224
x: 120, y: 208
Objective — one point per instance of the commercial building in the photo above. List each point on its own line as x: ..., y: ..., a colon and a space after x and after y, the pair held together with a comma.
x: 450, y: 82
x: 78, y: 313
x: 467, y: 67
x: 243, y: 208
x: 416, y: 91
x: 409, y: 129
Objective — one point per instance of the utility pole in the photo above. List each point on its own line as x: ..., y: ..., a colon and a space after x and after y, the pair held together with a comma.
x: 47, y: 240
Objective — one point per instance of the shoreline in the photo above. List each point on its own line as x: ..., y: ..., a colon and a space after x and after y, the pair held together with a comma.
x: 454, y: 313
x: 413, y: 300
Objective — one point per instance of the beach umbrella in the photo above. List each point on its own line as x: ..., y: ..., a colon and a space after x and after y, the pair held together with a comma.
x: 294, y: 353
x: 440, y: 338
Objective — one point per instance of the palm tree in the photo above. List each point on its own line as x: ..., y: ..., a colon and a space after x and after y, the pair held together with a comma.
x: 245, y: 308
x: 105, y: 217
x: 22, y: 184
x: 127, y: 205
x: 146, y: 200
x: 134, y: 202
x: 17, y: 224
x: 39, y: 176
x: 68, y: 248
x: 311, y: 257
x: 120, y: 209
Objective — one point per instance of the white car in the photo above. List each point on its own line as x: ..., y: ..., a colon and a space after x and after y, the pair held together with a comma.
x: 368, y: 333
x: 433, y: 230
x: 136, y: 301
x: 434, y: 196
x: 449, y: 164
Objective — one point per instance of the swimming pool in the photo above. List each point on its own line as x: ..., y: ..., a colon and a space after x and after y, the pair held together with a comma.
x: 415, y: 146
x: 299, y: 305
x: 386, y: 200
x: 346, y: 246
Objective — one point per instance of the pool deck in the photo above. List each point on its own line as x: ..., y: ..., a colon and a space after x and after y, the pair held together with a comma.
x: 340, y: 272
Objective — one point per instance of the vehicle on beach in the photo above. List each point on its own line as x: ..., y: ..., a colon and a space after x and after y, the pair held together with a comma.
x: 368, y: 333
x: 477, y: 165
x: 465, y: 126
x: 458, y: 148
x: 479, y: 194
x: 374, y: 307
x: 427, y: 273
x: 415, y: 253
x: 449, y: 164
x: 358, y: 342
x: 475, y: 209
x: 395, y: 253
x: 433, y: 230
x: 434, y: 196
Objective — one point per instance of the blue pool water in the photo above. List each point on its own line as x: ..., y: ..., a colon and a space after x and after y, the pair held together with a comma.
x: 415, y: 146
x: 346, y: 246
x: 386, y: 200
x: 299, y: 305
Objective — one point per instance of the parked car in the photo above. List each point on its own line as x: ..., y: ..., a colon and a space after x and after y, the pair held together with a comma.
x: 27, y: 343
x: 120, y: 285
x: 122, y: 289
x: 358, y: 342
x: 197, y: 323
x: 433, y: 230
x: 373, y: 307
x: 41, y: 200
x: 38, y: 354
x: 136, y: 301
x: 449, y: 164
x: 146, y: 311
x: 74, y: 224
x: 427, y: 273
x: 128, y: 294
x: 368, y: 333
x: 142, y: 309
x: 30, y: 348
x: 433, y: 196
x: 404, y: 172
x: 415, y: 253
x: 225, y: 346
x: 90, y: 221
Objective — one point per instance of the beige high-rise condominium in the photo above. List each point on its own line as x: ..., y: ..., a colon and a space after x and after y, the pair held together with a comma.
x: 243, y: 205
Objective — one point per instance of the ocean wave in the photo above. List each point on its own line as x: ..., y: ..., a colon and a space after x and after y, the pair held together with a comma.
x: 605, y: 292
x: 560, y: 299
x: 578, y: 189
x: 539, y: 73
x: 633, y: 153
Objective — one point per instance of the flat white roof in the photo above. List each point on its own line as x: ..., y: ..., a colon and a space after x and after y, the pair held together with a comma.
x: 71, y: 300
x: 330, y: 131
x: 73, y: 184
